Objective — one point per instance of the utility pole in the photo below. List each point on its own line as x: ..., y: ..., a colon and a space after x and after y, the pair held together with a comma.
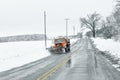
x: 67, y: 27
x: 45, y: 28
x: 73, y: 30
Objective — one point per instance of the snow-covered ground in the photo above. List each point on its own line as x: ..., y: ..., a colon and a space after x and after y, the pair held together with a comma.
x: 111, y: 46
x: 15, y: 54
x: 108, y: 45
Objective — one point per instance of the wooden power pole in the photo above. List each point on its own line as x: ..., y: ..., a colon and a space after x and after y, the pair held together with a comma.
x: 45, y: 29
x: 66, y: 27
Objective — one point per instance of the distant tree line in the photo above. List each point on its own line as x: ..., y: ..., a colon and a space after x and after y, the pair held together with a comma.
x: 107, y: 28
x: 33, y: 37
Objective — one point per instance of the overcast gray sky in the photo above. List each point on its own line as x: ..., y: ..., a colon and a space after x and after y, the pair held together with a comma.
x: 26, y: 16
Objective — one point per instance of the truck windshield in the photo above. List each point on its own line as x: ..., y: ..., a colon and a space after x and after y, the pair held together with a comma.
x: 59, y: 40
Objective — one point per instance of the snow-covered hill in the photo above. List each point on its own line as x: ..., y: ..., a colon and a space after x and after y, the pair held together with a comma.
x: 30, y: 37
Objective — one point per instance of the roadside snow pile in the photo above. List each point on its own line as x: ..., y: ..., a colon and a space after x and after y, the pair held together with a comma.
x: 108, y: 45
x: 111, y: 49
x: 14, y: 54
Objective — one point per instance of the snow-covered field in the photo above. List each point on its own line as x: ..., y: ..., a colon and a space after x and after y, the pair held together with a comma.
x: 15, y: 54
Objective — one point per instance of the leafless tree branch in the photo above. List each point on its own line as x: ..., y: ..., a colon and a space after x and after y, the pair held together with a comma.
x: 91, y: 21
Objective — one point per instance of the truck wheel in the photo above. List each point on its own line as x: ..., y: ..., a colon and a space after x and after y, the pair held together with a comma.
x: 66, y: 50
x: 69, y: 49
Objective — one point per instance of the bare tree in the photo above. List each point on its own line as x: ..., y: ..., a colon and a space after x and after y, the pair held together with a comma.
x: 116, y: 15
x: 91, y: 22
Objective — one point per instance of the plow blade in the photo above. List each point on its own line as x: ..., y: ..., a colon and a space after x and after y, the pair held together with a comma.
x: 56, y: 50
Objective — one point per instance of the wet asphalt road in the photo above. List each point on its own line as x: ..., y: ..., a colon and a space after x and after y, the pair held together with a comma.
x: 87, y: 64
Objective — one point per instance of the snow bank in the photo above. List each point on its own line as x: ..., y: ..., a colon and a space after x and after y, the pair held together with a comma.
x: 108, y: 45
x: 112, y: 47
x: 14, y: 54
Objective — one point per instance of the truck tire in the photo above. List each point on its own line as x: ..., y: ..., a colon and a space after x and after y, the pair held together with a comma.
x: 66, y: 49
x: 68, y: 46
x: 69, y: 49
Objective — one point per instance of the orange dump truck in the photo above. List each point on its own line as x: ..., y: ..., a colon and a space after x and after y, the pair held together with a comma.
x: 60, y: 45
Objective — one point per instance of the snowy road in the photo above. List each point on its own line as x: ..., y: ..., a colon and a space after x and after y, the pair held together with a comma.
x: 35, y: 69
x: 87, y: 65
x: 84, y: 65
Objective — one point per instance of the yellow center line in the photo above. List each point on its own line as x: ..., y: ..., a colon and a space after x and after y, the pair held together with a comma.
x: 46, y: 75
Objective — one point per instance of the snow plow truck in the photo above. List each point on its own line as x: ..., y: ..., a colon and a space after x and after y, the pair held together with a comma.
x: 60, y: 45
